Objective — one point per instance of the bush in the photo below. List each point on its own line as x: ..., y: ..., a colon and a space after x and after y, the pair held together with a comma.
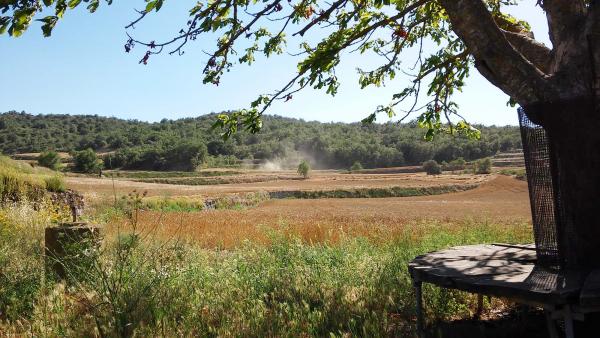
x: 86, y: 161
x: 49, y: 159
x: 483, y: 166
x: 519, y: 174
x: 55, y: 184
x: 304, y: 169
x: 356, y: 166
x: 431, y: 167
x: 454, y: 165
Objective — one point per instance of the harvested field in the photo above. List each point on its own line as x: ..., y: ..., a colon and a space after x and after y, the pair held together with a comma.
x: 320, y: 180
x: 391, y: 170
x: 502, y: 201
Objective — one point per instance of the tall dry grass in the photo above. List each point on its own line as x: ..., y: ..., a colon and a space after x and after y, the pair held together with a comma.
x: 274, y: 282
x: 229, y: 229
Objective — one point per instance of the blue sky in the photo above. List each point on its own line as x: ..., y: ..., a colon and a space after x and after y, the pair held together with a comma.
x: 83, y: 69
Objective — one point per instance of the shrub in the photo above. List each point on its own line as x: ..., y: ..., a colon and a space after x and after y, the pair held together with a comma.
x: 356, y: 166
x: 457, y: 164
x: 519, y: 174
x: 86, y: 161
x: 49, y: 159
x: 431, y: 167
x: 483, y: 166
x: 55, y: 183
x: 304, y: 169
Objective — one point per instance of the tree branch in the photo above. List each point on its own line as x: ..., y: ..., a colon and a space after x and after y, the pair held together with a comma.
x: 495, y: 57
x: 534, y: 51
x: 563, y: 16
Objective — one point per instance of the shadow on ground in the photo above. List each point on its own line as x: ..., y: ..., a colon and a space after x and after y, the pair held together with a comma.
x: 519, y: 322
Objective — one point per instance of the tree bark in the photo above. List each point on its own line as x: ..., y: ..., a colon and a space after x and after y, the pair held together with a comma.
x: 573, y: 130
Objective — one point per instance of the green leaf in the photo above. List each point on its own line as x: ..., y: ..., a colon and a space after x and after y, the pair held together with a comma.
x: 74, y: 3
x: 22, y: 17
x: 61, y: 7
x: 49, y: 23
x: 48, y: 3
x: 369, y: 119
x: 93, y: 6
x: 150, y: 6
x: 15, y: 31
x: 4, y: 22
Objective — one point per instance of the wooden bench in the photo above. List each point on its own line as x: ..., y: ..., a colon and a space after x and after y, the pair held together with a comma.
x: 509, y: 271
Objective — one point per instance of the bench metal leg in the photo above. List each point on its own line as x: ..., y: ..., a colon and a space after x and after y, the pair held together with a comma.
x: 419, y: 299
x: 479, y: 306
x: 569, y: 330
x: 552, y: 331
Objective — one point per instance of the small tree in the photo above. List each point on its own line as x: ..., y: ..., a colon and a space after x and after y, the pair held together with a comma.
x: 483, y: 166
x: 431, y: 167
x: 356, y: 166
x: 304, y: 169
x: 86, y: 161
x: 49, y: 159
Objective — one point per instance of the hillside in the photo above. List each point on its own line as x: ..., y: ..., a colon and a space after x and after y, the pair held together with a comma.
x: 182, y: 144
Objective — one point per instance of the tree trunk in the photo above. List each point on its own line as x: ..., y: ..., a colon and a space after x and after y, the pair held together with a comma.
x: 573, y: 129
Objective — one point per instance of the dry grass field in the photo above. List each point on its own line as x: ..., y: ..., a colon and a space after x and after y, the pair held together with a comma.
x: 271, y: 181
x: 499, y: 200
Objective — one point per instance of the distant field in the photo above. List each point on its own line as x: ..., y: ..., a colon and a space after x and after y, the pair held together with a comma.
x: 252, y: 181
x: 318, y: 215
x: 132, y: 174
x: 499, y: 200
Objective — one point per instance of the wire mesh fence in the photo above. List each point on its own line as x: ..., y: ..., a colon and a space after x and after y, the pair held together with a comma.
x: 544, y: 194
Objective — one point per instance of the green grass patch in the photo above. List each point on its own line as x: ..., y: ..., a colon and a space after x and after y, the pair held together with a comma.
x: 519, y: 174
x: 371, y: 192
x: 192, y: 203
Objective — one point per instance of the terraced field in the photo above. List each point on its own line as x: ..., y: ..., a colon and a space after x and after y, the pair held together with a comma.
x: 251, y: 181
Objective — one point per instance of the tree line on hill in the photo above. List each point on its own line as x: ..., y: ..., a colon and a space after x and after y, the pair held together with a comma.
x: 186, y: 143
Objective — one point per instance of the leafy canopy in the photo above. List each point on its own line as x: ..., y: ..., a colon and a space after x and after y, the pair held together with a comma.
x: 323, y: 32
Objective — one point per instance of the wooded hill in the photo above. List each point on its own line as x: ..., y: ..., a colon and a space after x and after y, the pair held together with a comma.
x: 185, y: 143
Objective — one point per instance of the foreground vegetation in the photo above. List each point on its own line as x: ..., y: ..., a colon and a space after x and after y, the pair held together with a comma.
x: 141, y: 283
x: 185, y: 143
